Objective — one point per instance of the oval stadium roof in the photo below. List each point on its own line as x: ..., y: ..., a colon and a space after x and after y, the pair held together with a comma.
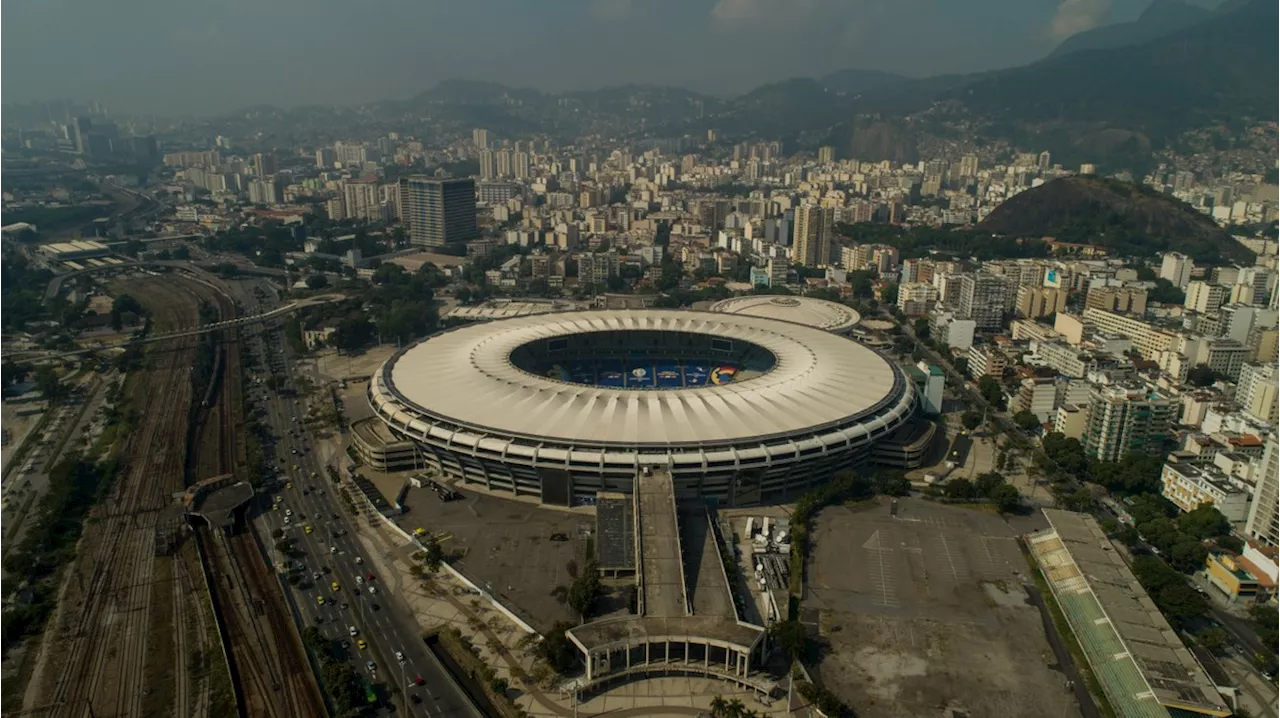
x: 818, y: 313
x: 465, y: 376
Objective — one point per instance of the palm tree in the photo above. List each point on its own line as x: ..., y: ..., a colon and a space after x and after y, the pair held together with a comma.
x: 718, y: 707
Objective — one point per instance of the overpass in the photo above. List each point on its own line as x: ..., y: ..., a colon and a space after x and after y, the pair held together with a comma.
x: 203, y: 329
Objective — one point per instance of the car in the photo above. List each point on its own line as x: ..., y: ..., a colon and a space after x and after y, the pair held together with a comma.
x: 343, y: 606
x: 287, y: 520
x: 319, y: 619
x: 359, y: 579
x: 415, y: 698
x: 373, y: 667
x: 319, y: 600
x: 352, y: 631
x: 346, y: 644
x: 288, y: 513
x: 333, y: 549
x: 315, y: 575
x: 373, y: 589
x: 279, y: 499
x: 400, y: 656
x: 290, y: 484
x: 361, y: 644
x: 359, y: 560
x: 417, y: 680
x: 334, y: 587
x: 307, y: 528
x: 368, y: 575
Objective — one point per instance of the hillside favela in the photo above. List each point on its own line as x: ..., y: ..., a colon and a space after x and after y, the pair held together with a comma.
x: 716, y: 358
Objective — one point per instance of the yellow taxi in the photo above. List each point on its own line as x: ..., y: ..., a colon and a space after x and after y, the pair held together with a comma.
x: 319, y: 600
x: 334, y: 587
x: 361, y: 644
x: 289, y: 485
x: 279, y: 499
x: 419, y: 532
x: 307, y: 528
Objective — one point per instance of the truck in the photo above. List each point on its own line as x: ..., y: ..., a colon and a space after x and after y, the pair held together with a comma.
x: 751, y: 526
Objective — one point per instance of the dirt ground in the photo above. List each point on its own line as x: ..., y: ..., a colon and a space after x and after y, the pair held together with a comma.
x: 924, y: 611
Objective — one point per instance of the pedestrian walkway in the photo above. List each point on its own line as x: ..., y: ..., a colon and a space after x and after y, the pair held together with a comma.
x: 443, y: 601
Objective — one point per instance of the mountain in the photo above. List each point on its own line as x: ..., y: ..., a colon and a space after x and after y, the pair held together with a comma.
x: 856, y: 82
x: 1131, y: 219
x: 1117, y: 104
x: 1162, y: 17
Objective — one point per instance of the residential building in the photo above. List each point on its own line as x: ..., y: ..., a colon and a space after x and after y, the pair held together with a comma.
x: 1263, y: 522
x: 917, y: 298
x: 1230, y: 574
x: 987, y: 360
x: 439, y: 211
x: 1122, y: 300
x: 1127, y: 419
x: 1256, y: 391
x: 814, y: 229
x: 930, y: 381
x: 1204, y: 297
x: 362, y: 199
x: 480, y: 138
x: 1176, y: 268
x: 947, y: 328
x: 264, y: 164
x: 1065, y: 359
x: 1188, y: 485
x: 779, y: 270
x: 1148, y: 340
x: 1071, y: 327
x: 1037, y: 395
x: 1070, y: 421
x: 982, y: 299
x: 1035, y: 302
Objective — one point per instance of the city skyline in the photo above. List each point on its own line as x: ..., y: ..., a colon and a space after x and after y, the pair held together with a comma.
x: 718, y: 47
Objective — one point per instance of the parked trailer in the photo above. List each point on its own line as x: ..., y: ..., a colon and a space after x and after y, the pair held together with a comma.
x: 751, y: 526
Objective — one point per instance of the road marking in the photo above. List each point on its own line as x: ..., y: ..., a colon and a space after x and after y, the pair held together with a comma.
x: 881, y: 575
x: 946, y: 551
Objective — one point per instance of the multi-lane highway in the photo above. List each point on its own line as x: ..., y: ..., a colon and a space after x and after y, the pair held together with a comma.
x: 339, y: 591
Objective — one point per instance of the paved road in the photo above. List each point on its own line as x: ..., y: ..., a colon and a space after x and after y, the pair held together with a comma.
x: 380, y: 619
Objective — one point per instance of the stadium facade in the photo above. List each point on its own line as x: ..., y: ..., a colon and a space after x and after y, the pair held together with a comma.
x: 561, y: 406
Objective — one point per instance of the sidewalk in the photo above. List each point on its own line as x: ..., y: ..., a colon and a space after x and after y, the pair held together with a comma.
x: 442, y: 601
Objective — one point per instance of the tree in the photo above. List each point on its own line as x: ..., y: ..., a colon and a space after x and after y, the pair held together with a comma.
x: 1201, y: 376
x: 433, y: 553
x: 556, y: 650
x: 991, y: 391
x: 1204, y: 522
x: 48, y: 383
x: 1213, y: 639
x: 585, y: 590
x: 987, y: 483
x: 971, y: 420
x: 1006, y: 498
x: 1026, y: 420
x: 317, y: 281
x: 791, y: 638
x: 353, y: 332
x: 958, y: 489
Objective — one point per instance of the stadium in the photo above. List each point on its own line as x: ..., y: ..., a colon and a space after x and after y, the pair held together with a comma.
x: 561, y: 406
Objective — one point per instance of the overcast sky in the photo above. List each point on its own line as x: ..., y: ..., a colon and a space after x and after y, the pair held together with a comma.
x: 181, y: 57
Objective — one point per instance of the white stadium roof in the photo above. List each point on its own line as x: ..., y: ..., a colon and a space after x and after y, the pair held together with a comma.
x: 818, y: 313
x: 465, y: 376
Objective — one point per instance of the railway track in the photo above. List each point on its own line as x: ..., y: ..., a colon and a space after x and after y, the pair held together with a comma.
x: 269, y: 662
x: 104, y: 633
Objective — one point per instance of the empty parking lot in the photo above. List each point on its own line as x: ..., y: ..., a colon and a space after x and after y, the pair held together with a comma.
x: 924, y: 610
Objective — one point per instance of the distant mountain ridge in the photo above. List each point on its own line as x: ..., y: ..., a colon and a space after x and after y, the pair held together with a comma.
x: 1162, y: 17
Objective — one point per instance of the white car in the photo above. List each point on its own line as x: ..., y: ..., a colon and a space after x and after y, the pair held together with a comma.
x: 288, y: 513
x: 373, y: 589
x: 352, y: 630
x: 359, y: 560
x: 359, y: 579
x: 400, y: 656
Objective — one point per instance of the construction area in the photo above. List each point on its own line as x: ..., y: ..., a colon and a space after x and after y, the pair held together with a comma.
x: 923, y: 608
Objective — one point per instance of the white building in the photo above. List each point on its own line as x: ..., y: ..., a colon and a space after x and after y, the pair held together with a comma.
x: 1263, y: 522
x: 1189, y: 486
x: 1176, y: 268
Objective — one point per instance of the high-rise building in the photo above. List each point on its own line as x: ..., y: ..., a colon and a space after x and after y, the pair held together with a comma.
x: 362, y: 199
x: 1204, y: 297
x: 502, y: 163
x: 264, y: 190
x: 1263, y: 523
x: 1044, y: 161
x: 982, y: 299
x: 1176, y: 268
x: 826, y: 155
x: 969, y: 166
x: 264, y: 164
x: 325, y: 158
x: 480, y: 138
x: 1035, y: 302
x: 80, y: 127
x: 520, y: 165
x: 1127, y: 419
x: 488, y: 167
x: 814, y: 227
x: 439, y: 211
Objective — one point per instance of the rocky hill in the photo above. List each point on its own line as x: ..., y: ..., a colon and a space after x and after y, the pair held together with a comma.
x: 1130, y: 219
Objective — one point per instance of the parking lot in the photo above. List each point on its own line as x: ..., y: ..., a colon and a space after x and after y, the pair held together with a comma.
x: 925, y: 610
x: 508, y: 545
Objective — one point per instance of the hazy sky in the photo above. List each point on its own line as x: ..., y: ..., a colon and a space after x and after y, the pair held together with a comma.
x: 207, y: 57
